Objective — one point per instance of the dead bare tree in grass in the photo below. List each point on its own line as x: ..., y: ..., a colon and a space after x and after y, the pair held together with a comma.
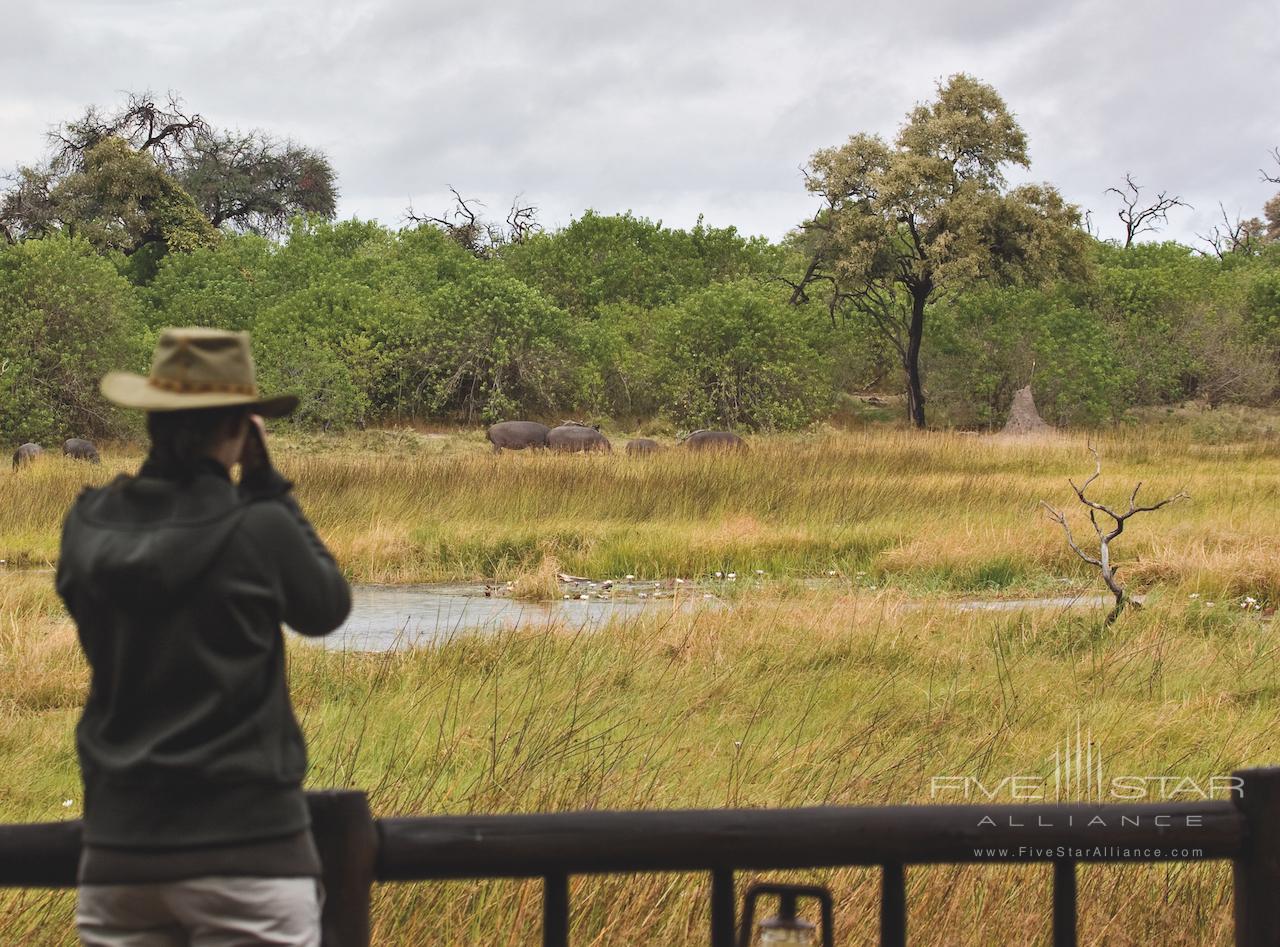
x: 1106, y: 537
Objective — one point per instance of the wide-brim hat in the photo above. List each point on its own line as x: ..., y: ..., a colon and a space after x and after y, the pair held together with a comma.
x: 196, y: 368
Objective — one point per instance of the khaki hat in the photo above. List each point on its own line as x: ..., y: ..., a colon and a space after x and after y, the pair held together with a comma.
x: 196, y: 368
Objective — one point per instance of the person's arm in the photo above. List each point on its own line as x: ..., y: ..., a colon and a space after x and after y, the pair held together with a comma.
x: 316, y: 596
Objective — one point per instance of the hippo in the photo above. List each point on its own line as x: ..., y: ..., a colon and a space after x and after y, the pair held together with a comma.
x: 26, y: 454
x: 77, y: 448
x: 643, y: 445
x: 577, y: 437
x: 517, y: 435
x: 714, y: 440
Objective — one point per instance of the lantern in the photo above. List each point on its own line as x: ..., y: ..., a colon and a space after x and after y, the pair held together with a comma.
x: 786, y: 927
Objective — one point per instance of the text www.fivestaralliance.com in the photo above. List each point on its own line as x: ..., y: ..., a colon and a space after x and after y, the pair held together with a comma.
x: 1096, y: 851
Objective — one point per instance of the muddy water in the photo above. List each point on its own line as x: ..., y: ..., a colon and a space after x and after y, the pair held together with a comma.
x: 389, y: 618
x: 386, y: 618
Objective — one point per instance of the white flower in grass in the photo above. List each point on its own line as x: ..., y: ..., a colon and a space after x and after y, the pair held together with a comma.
x: 707, y: 595
x: 68, y: 803
x: 1209, y: 604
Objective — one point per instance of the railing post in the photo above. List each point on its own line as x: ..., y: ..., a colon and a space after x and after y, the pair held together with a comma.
x: 724, y: 910
x: 1064, y: 903
x: 555, y: 911
x: 1257, y: 870
x: 893, y: 906
x: 347, y: 839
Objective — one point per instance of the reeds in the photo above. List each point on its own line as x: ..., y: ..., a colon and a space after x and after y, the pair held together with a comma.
x: 857, y: 691
x: 921, y: 512
x: 832, y: 698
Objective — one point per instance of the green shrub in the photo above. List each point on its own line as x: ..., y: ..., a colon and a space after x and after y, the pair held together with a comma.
x: 66, y: 318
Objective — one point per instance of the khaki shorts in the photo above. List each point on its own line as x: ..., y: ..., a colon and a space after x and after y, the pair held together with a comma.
x: 202, y: 912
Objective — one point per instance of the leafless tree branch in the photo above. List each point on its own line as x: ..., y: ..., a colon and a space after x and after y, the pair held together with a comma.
x: 1238, y: 236
x: 1141, y: 218
x: 1106, y: 536
x: 1273, y: 179
x: 464, y: 224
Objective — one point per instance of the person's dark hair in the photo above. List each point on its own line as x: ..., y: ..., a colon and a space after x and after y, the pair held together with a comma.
x: 180, y: 440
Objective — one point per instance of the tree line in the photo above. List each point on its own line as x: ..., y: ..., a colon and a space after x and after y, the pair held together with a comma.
x: 920, y: 270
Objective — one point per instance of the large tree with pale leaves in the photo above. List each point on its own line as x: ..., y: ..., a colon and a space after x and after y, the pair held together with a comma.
x: 903, y: 224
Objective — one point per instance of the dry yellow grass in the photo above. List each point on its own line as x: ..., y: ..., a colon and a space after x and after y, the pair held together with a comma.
x: 932, y: 512
x: 831, y: 698
x: 794, y: 696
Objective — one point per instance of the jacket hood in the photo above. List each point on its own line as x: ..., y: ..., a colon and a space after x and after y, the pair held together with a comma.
x: 148, y: 538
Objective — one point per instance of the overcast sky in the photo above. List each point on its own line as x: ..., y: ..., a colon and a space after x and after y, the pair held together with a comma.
x: 670, y: 108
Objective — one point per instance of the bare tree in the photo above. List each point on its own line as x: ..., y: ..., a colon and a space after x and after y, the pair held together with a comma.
x: 1272, y: 209
x: 522, y: 221
x: 164, y: 129
x: 1106, y: 536
x: 464, y: 224
x: 1238, y: 236
x: 1272, y: 178
x: 1138, y: 217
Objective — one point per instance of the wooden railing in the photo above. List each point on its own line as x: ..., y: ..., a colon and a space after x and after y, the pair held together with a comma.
x: 358, y: 850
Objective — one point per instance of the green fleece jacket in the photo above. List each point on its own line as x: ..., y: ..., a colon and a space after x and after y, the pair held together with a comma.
x: 178, y: 590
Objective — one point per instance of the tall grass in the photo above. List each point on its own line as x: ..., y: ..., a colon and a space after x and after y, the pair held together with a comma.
x: 796, y: 695
x: 936, y: 512
x: 834, y: 698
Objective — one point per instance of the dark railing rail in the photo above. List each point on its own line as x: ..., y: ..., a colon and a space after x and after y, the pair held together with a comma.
x: 358, y: 850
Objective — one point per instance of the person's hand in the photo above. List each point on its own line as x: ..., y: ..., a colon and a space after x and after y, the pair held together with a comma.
x: 253, y: 456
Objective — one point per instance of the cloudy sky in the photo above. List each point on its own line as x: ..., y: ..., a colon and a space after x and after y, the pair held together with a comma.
x: 670, y: 108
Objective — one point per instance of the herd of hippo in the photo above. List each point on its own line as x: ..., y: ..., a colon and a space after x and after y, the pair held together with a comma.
x: 77, y: 448
x: 569, y: 437
x: 573, y: 436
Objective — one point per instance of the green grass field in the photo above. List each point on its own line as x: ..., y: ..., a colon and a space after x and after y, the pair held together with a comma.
x: 798, y: 694
x: 918, y: 512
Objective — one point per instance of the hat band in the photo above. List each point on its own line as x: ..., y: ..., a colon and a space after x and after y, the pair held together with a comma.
x: 203, y: 387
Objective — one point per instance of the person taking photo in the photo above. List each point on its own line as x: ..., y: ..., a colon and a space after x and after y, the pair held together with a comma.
x: 196, y: 830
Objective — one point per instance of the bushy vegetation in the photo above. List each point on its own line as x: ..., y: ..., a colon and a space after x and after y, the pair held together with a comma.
x: 920, y: 270
x: 370, y: 324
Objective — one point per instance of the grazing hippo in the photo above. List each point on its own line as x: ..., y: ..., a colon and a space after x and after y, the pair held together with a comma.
x: 77, y: 448
x: 643, y: 445
x: 26, y: 454
x: 517, y: 435
x: 714, y: 440
x: 577, y: 437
